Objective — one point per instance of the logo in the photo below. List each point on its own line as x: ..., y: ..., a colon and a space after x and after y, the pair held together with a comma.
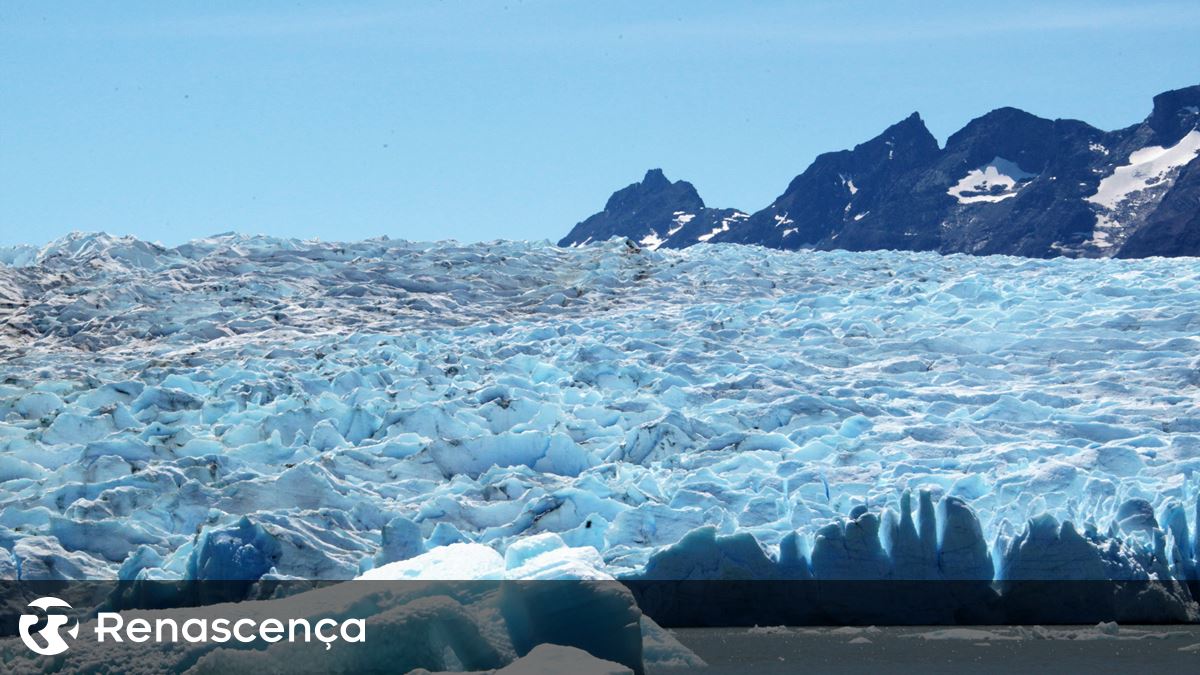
x: 111, y: 626
x: 51, y: 642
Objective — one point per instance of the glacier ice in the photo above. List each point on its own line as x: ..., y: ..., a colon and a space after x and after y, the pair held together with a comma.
x: 550, y: 659
x: 249, y: 407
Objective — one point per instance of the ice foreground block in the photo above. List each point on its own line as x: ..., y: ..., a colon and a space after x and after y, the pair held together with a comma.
x: 460, y: 606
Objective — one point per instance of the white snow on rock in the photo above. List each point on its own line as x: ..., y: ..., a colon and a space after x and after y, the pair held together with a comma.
x: 1147, y: 168
x: 1144, y: 180
x: 652, y: 241
x: 726, y: 223
x: 849, y: 183
x: 993, y: 182
x: 681, y: 219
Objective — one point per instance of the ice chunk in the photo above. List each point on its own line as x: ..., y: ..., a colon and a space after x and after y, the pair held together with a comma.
x: 660, y: 649
x: 8, y: 565
x: 910, y: 558
x: 72, y: 427
x: 1136, y: 515
x: 598, y: 617
x: 445, y: 534
x: 551, y: 659
x: 523, y: 550
x: 793, y: 558
x: 1048, y: 550
x: 701, y: 554
x: 243, y: 551
x: 44, y: 559
x: 546, y: 556
x: 850, y: 550
x: 454, y: 561
x: 400, y: 540
x: 38, y: 404
x: 962, y: 554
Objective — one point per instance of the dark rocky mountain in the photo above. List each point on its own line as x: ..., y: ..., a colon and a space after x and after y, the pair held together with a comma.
x: 657, y: 213
x: 1007, y: 183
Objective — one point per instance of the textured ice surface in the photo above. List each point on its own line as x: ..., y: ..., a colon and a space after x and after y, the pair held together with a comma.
x: 239, y: 407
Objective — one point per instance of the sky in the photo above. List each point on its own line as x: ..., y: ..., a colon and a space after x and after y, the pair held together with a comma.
x: 511, y: 120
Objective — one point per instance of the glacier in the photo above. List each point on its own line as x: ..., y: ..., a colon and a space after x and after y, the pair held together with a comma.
x: 244, y: 407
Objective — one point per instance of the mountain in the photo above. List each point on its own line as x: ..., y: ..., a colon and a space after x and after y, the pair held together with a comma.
x: 1008, y: 182
x: 656, y: 212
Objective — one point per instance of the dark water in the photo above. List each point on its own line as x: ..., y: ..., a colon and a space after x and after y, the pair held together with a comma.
x: 928, y: 650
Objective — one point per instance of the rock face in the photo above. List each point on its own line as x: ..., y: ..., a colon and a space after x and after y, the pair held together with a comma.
x: 1007, y: 183
x: 655, y: 213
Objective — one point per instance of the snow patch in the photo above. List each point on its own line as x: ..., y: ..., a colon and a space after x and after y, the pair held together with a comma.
x: 681, y: 219
x: 652, y: 241
x: 1123, y: 195
x: 726, y: 223
x: 1147, y: 168
x: 993, y: 182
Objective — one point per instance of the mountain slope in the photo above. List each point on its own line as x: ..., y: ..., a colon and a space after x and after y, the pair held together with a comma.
x: 655, y: 212
x: 1008, y: 182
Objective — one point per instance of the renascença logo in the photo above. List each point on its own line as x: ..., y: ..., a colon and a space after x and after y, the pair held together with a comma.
x: 51, y: 639
x: 112, y: 626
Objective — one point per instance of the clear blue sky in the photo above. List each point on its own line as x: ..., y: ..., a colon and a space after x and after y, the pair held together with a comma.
x: 483, y: 120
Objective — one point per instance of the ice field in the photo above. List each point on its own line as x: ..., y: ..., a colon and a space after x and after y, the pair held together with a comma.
x: 245, y: 408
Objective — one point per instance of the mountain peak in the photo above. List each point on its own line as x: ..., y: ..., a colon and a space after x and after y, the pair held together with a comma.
x: 909, y: 127
x: 1009, y: 182
x: 1010, y: 133
x: 909, y: 136
x: 655, y: 186
x: 649, y: 212
x: 1005, y: 113
x: 1175, y: 112
x: 911, y: 123
x: 655, y: 179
